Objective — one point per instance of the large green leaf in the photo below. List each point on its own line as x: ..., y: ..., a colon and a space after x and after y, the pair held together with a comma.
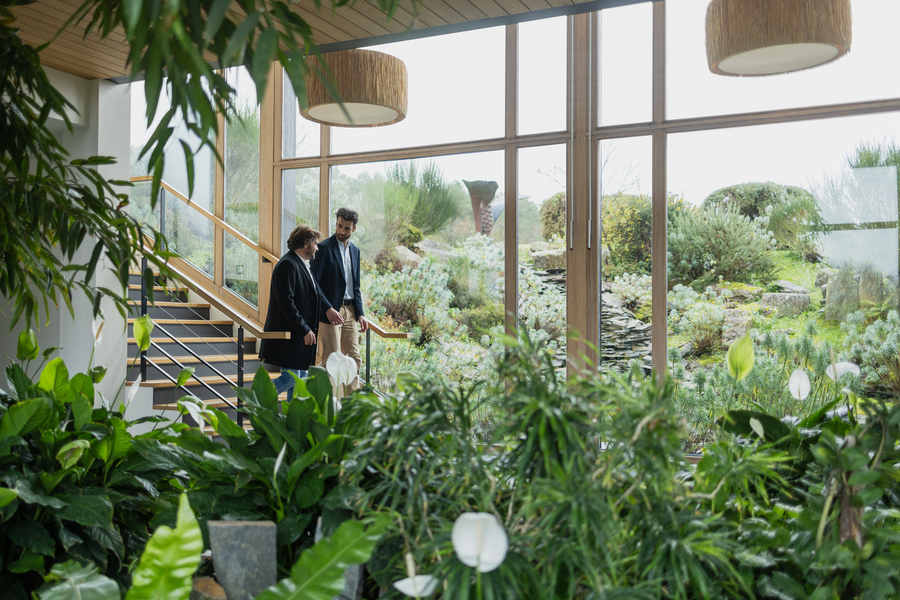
x: 73, y: 581
x: 24, y: 417
x: 81, y: 411
x: 55, y: 378
x: 740, y: 358
x: 143, y: 326
x: 83, y: 387
x: 740, y: 422
x: 169, y: 560
x: 319, y: 574
x: 70, y: 454
x: 31, y: 491
x: 90, y: 511
x: 7, y: 495
x: 34, y: 536
x: 27, y: 348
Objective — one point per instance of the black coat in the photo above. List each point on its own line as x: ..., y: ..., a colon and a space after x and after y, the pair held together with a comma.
x: 295, y: 304
x: 328, y: 269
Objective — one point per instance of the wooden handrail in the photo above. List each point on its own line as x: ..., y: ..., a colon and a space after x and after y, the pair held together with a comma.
x: 391, y: 335
x: 250, y: 325
x: 237, y: 234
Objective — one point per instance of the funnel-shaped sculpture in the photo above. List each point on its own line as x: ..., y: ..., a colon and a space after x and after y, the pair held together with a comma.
x: 482, y: 193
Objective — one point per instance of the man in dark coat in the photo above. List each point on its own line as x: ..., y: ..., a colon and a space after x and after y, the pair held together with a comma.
x: 336, y: 268
x: 295, y: 302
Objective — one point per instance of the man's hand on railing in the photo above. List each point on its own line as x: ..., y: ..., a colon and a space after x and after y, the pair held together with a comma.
x: 363, y: 324
x: 334, y: 317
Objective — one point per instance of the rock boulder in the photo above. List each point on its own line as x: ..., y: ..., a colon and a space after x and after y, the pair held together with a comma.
x: 787, y: 305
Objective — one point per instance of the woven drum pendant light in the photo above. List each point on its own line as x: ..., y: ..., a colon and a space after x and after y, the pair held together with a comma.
x: 371, y: 85
x: 765, y: 37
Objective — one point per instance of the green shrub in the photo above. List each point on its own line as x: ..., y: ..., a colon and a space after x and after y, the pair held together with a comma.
x: 481, y: 319
x: 751, y: 199
x: 633, y: 290
x: 73, y: 482
x: 707, y: 245
x: 699, y: 316
x: 553, y: 217
x: 410, y: 235
x: 626, y: 232
x: 876, y: 349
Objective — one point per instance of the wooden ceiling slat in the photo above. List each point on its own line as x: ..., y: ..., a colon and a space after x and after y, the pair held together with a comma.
x: 512, y: 7
x: 492, y: 9
x: 469, y: 11
x: 59, y: 49
x: 61, y: 10
x: 536, y: 4
x: 446, y: 11
x: 112, y: 53
x: 561, y: 3
x: 398, y: 24
x: 326, y: 17
x: 426, y: 17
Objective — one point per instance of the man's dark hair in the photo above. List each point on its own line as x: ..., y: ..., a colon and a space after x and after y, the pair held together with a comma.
x: 301, y: 236
x: 348, y: 215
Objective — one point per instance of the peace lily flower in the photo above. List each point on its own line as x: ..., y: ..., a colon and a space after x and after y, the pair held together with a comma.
x: 799, y: 385
x: 97, y: 326
x: 479, y: 541
x: 342, y: 371
x: 416, y: 586
x: 131, y: 392
x: 842, y: 369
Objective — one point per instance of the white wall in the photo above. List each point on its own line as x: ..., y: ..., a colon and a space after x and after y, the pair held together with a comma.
x: 103, y: 127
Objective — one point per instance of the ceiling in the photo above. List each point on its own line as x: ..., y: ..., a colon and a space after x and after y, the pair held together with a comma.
x: 93, y: 58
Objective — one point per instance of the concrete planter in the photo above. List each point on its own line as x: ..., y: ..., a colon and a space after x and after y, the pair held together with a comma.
x: 244, y: 556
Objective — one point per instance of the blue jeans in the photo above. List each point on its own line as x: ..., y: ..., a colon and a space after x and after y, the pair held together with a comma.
x: 286, y: 382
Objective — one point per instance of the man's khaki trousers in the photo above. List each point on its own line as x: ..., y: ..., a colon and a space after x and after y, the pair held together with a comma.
x: 340, y: 337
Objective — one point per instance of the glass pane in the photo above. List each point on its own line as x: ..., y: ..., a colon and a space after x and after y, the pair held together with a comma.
x: 426, y: 269
x: 626, y: 64
x: 189, y: 233
x: 299, y: 137
x: 625, y: 238
x: 242, y: 186
x: 542, y: 247
x: 806, y: 236
x: 241, y: 269
x: 694, y: 91
x: 175, y: 173
x: 456, y: 93
x: 542, y: 75
x: 299, y: 201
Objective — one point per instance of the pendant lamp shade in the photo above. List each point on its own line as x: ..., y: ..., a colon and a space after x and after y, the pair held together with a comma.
x: 765, y: 37
x: 372, y: 86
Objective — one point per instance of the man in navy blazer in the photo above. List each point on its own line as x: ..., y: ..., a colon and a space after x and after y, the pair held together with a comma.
x: 295, y: 305
x: 336, y: 268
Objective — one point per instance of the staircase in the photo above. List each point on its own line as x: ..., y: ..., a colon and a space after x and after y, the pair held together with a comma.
x: 213, y: 341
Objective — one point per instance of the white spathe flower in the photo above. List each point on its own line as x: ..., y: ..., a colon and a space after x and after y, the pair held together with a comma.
x: 479, y: 541
x: 97, y: 326
x: 842, y: 369
x: 341, y: 368
x: 132, y: 391
x: 799, y: 385
x: 420, y: 586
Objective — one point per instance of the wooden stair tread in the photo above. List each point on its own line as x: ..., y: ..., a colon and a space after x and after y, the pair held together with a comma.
x: 188, y: 340
x: 212, y: 358
x: 168, y: 304
x: 174, y: 288
x: 165, y: 383
x: 211, y: 402
x: 187, y: 322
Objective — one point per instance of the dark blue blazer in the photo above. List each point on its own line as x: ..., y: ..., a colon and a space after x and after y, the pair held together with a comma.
x: 328, y: 268
x: 295, y: 305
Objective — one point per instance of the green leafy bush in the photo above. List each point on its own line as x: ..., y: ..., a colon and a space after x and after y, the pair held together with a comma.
x: 699, y: 316
x: 752, y: 199
x: 876, y: 348
x: 73, y: 484
x: 633, y: 290
x: 708, y: 246
x: 482, y: 319
x: 553, y: 217
x: 626, y: 233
